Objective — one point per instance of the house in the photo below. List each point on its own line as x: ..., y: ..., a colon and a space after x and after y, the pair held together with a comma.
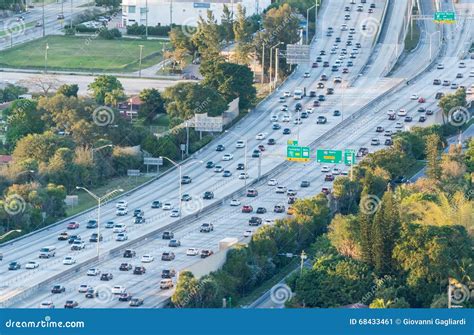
x: 129, y: 108
x: 5, y: 159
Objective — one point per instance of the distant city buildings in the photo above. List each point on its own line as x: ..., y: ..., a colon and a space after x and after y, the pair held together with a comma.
x: 182, y: 12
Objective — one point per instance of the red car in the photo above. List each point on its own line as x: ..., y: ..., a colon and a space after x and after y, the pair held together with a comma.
x: 247, y: 209
x: 73, y: 225
x: 421, y: 100
x: 326, y: 190
x: 329, y: 177
x: 345, y: 70
x: 261, y: 147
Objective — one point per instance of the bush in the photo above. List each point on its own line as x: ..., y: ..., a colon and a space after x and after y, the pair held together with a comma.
x: 110, y: 34
x: 139, y: 30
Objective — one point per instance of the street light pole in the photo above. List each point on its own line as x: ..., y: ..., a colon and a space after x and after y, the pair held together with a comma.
x: 96, y: 149
x: 140, y: 62
x: 263, y: 62
x: 46, y: 58
x: 44, y: 32
x: 10, y: 232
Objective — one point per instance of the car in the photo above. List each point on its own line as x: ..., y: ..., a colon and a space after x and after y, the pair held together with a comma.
x: 121, y: 237
x: 329, y: 177
x: 454, y: 86
x: 125, y: 297
x: 276, y: 126
x: 280, y: 190
x: 398, y: 125
x: 247, y: 209
x: 279, y: 209
x: 379, y: 129
x: 175, y: 213
x: 291, y: 193
x: 388, y: 141
x: 256, y: 153
x: 206, y: 228
x: 243, y: 175
x: 167, y: 256
x: 95, y: 238
x: 414, y: 97
x: 63, y: 236
x: 251, y: 192
x: 208, y: 195
x: 93, y: 272
x: 421, y: 109
x: 60, y: 17
x: 218, y: 169
x: 261, y: 147
x: 421, y: 100
x: 139, y: 270
x: 167, y: 235
x: 125, y: 267
x: 325, y: 190
x: 235, y: 202
x: 109, y: 224
x: 220, y: 147
x: 446, y: 82
x: 255, y: 221
x: 91, y: 293
x: 71, y: 304
x: 106, y: 276
x: 121, y: 204
x: 439, y: 95
x: 272, y: 182
x: 287, y: 94
x: 436, y: 82
x: 46, y: 304
x: 147, y: 258
x: 186, y: 197
x: 306, y: 75
x: 286, y: 118
x: 166, y: 284
x: 374, y: 141
x: 174, y: 243
x: 73, y: 225
x: 192, y: 252
x: 186, y: 180
x: 73, y: 238
x: 247, y: 233
x: 69, y: 260
x: 322, y: 53
x: 261, y: 210
x: 440, y: 66
x: 471, y: 73
x: 286, y: 131
x: 281, y: 99
x: 336, y: 171
x: 325, y: 168
x: 78, y: 245
x: 312, y: 94
x: 136, y: 302
x: 271, y: 141
x: 137, y: 212
x: 321, y: 120
x: 461, y: 65
x: 227, y: 157
x: 316, y: 103
x: 305, y: 183
x: 388, y: 133
x: 118, y: 289
x: 422, y: 118
x: 121, y: 211
x: 210, y: 165
x: 321, y: 97
x: 84, y: 288
x: 402, y: 112
x: 408, y: 119
x: 168, y: 273
x: 139, y: 220
x: 31, y: 265
x: 241, y: 144
x: 120, y: 228
x: 459, y: 75
x: 206, y: 253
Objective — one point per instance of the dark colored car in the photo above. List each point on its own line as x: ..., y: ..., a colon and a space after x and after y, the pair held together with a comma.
x: 72, y: 238
x: 125, y: 297
x: 388, y: 141
x: 305, y: 183
x: 329, y: 177
x: 139, y: 220
x: 167, y: 235
x: 276, y: 126
x: 429, y: 112
x: 125, y: 267
x: 321, y: 120
x: 138, y: 212
x: 206, y: 228
x: 106, y: 276
x: 208, y: 195
x: 321, y: 97
x: 58, y: 289
x: 312, y: 94
x: 139, y: 270
x: 279, y: 209
x: 156, y: 204
x: 167, y: 256
x: 71, y: 304
x: 336, y: 113
x: 422, y: 118
x: 96, y: 238
x: 167, y: 273
x: 91, y: 293
x: 255, y: 221
x: 210, y: 165
x: 129, y: 253
x: 286, y: 131
x: 408, y: 119
x: 261, y: 210
x: 241, y: 166
x: 14, y: 266
x: 206, y: 253
x: 91, y: 224
x: 256, y: 153
x: 220, y: 147
x: 271, y: 141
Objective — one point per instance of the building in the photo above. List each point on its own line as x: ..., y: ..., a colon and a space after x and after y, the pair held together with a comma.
x: 129, y: 108
x: 182, y: 12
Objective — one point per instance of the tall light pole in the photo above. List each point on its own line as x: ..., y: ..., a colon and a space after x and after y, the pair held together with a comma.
x: 97, y: 149
x: 271, y: 67
x: 245, y: 152
x: 146, y: 19
x: 263, y: 61
x: 140, y: 62
x: 46, y: 58
x: 180, y: 169
x: 276, y: 68
x: 9, y: 232
x: 99, y: 203
x: 44, y: 32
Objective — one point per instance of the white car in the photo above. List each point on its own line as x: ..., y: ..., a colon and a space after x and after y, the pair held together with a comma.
x: 454, y: 86
x: 344, y: 27
x: 375, y: 141
x: 306, y: 75
x: 272, y: 182
x: 93, y: 272
x: 440, y: 66
x: 336, y: 172
x: 84, y: 288
x: 287, y: 94
x: 227, y: 157
x: 402, y: 112
x: 118, y: 289
x: 167, y: 206
x: 325, y: 168
x: 286, y: 118
x: 247, y: 233
x: 240, y: 144
x: 243, y: 175
x: 120, y: 228
x: 310, y: 110
x: 235, y: 202
x: 31, y: 265
x: 218, y: 169
x: 471, y: 73
x: 121, y: 237
x: 192, y: 252
x: 147, y: 258
x: 274, y: 118
x: 398, y: 125
x: 69, y: 260
x: 414, y: 97
x: 121, y: 204
x: 462, y: 65
x: 174, y: 213
x: 280, y: 189
x: 268, y: 221
x: 46, y: 304
x: 121, y: 211
x: 260, y: 136
x: 297, y: 121
x: 388, y: 133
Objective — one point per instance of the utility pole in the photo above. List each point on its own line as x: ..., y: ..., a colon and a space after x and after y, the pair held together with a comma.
x: 146, y: 20
x: 276, y: 67
x: 263, y: 61
x: 140, y: 62
x: 46, y: 58
x: 70, y: 18
x: 171, y: 13
x: 44, y: 32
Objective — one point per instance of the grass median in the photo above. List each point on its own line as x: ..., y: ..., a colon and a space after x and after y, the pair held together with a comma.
x: 84, y: 53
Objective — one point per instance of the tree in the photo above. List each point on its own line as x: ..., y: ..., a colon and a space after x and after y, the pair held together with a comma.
x: 365, y: 228
x: 343, y: 234
x: 243, y: 36
x: 207, y: 41
x: 232, y: 81
x: 22, y: 118
x: 102, y: 85
x: 152, y: 104
x: 186, y: 290
x: 68, y: 90
x: 450, y: 102
x: 43, y: 83
x: 11, y: 92
x: 433, y: 169
x: 113, y: 97
x: 227, y: 22
x: 108, y: 3
x: 181, y: 41
x: 347, y: 194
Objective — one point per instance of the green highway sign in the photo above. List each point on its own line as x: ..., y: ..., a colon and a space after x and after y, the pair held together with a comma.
x: 445, y: 17
x: 297, y: 153
x: 349, y: 157
x: 329, y: 156
x: 292, y: 142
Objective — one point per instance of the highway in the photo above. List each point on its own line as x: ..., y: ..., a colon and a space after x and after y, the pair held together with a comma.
x: 229, y: 221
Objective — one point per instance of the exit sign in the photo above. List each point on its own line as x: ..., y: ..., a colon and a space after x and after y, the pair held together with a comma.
x: 297, y: 153
x: 445, y: 17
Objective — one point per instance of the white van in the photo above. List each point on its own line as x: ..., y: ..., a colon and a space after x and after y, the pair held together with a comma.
x: 298, y: 94
x: 120, y: 228
x: 166, y: 284
x: 47, y: 252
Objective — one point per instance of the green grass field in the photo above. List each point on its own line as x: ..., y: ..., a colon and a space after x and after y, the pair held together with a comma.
x: 83, y: 54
